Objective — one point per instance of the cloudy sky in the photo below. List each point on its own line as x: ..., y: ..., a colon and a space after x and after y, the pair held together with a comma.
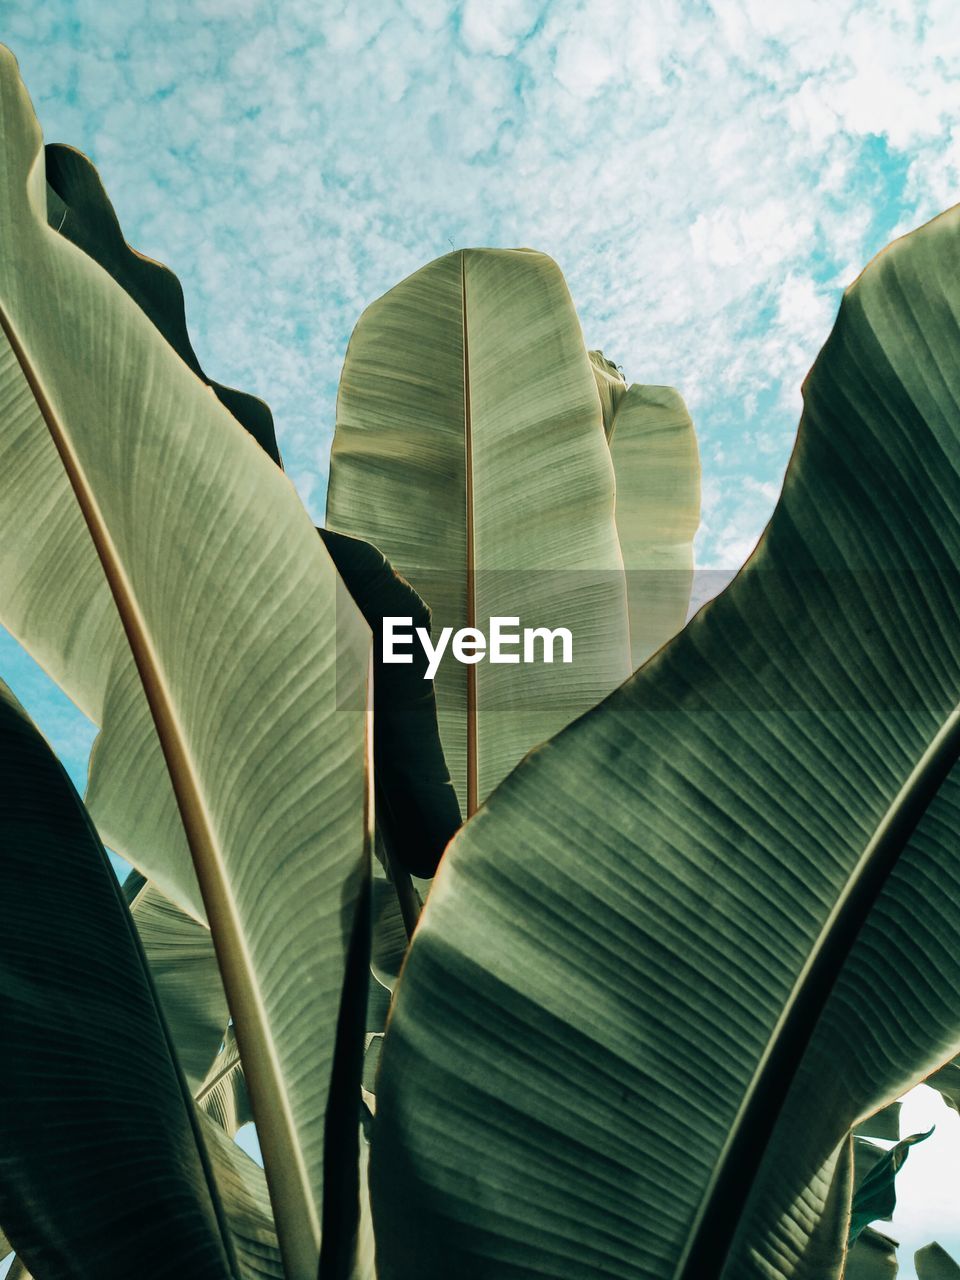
x: 709, y: 176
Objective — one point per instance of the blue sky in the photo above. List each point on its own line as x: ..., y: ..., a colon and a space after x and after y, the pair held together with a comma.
x: 709, y: 176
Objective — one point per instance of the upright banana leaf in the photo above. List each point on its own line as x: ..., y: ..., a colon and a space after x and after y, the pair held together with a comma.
x: 657, y: 467
x: 873, y: 1257
x: 470, y: 450
x: 102, y: 1168
x: 934, y: 1263
x: 164, y: 572
x: 629, y: 951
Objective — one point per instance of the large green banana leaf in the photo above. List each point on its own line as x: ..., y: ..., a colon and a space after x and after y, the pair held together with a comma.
x: 901, y: 972
x: 628, y: 952
x: 164, y: 572
x: 657, y: 467
x: 411, y: 775
x: 102, y: 1168
x: 470, y: 450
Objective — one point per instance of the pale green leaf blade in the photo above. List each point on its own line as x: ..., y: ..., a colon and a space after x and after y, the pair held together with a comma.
x: 657, y: 467
x: 934, y: 1263
x: 611, y: 386
x: 873, y: 1257
x: 231, y: 605
x: 470, y: 449
x: 884, y: 1124
x: 687, y: 867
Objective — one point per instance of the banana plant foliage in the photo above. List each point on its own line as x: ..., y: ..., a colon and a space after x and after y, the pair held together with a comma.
x: 469, y: 448
x: 88, y: 1064
x: 653, y: 448
x: 162, y: 569
x: 665, y: 952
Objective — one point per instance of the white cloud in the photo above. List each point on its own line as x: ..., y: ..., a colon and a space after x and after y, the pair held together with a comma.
x: 708, y: 177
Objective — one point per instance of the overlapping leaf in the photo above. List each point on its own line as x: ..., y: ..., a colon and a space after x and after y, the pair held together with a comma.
x: 88, y: 1069
x: 684, y: 873
x: 126, y: 486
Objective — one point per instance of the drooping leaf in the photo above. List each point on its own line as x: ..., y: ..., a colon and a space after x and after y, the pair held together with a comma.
x: 873, y: 1257
x: 417, y: 808
x: 470, y: 450
x: 164, y: 572
x: 934, y: 1263
x: 96, y: 1121
x: 876, y: 1195
x: 709, y: 863
x: 79, y: 208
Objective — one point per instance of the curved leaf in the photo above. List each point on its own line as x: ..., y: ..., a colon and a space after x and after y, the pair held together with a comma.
x: 686, y: 869
x: 164, y: 572
x: 96, y: 1129
x: 469, y: 449
x: 876, y: 1193
x: 80, y: 209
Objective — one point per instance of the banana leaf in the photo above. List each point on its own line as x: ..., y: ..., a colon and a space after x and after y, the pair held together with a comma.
x: 183, y: 966
x: 79, y: 208
x: 934, y: 1263
x: 103, y: 1170
x: 163, y: 571
x: 653, y: 447
x: 873, y: 1257
x: 635, y: 956
x: 469, y: 449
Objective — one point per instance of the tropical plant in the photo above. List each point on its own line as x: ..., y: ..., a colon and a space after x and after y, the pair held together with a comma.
x: 686, y: 938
